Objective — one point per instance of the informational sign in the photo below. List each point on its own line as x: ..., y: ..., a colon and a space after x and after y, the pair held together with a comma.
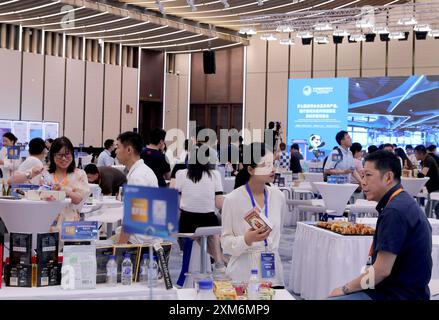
x: 150, y: 211
x: 317, y: 110
x: 21, y: 130
x: 51, y: 130
x: 13, y: 152
x: 27, y: 130
x: 79, y: 231
x: 35, y: 130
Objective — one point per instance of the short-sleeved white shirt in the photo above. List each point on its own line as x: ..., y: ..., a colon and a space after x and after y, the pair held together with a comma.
x: 141, y: 175
x: 200, y: 196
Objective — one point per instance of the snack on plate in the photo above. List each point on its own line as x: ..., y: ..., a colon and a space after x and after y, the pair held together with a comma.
x: 226, y: 294
x: 224, y: 290
x: 240, y: 288
x: 266, y: 293
x: 346, y: 228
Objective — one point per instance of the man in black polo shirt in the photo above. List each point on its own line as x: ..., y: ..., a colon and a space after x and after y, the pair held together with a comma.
x: 400, y: 259
x: 295, y: 166
x: 431, y: 150
x: 154, y: 157
x: 429, y: 169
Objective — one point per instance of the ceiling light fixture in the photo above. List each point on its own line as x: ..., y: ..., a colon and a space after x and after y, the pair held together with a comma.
x: 321, y: 39
x: 357, y: 37
x: 225, y: 3
x: 284, y: 28
x: 424, y: 27
x: 287, y: 42
x: 247, y: 30
x: 407, y: 21
x: 323, y: 26
x: 341, y: 33
x: 160, y: 6
x: 397, y: 35
x: 304, y: 35
x: 260, y: 2
x: 268, y: 37
x: 191, y: 4
x: 381, y: 30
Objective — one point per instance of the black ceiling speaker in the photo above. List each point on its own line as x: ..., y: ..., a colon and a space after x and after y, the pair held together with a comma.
x: 406, y: 36
x: 384, y: 37
x: 421, y: 35
x: 370, y: 37
x: 337, y: 39
x: 209, y: 62
x: 306, y: 41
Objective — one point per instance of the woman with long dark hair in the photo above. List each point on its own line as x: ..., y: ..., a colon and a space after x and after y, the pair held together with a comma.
x: 63, y: 175
x: 248, y: 246
x: 406, y: 163
x: 201, y: 192
x: 7, y: 166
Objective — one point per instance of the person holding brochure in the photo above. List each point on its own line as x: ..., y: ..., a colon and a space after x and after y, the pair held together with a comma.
x: 254, y: 248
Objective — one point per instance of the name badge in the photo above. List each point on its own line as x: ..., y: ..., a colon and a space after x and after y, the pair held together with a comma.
x: 336, y: 157
x: 268, y: 269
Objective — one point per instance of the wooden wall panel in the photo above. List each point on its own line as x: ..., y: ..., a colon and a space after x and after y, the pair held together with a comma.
x: 94, y: 91
x: 32, y: 87
x: 10, y: 84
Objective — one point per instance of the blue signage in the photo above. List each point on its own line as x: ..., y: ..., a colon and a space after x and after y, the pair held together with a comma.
x: 79, y: 231
x: 317, y: 110
x: 13, y: 152
x: 150, y: 211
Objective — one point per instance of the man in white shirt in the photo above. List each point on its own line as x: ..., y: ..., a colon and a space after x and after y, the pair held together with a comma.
x: 128, y: 148
x: 30, y: 169
x: 105, y: 159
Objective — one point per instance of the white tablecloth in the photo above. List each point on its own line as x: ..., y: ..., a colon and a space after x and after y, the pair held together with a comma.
x: 413, y: 185
x: 324, y: 260
x: 335, y: 196
x: 435, y: 257
x: 102, y: 292
x: 191, y: 294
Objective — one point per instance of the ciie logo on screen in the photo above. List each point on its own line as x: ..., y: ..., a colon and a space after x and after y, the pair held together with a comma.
x: 307, y: 90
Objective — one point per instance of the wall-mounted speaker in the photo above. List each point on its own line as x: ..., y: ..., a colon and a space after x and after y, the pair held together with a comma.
x: 209, y: 62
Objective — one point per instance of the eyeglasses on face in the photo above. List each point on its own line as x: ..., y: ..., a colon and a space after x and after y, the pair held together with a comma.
x: 63, y: 155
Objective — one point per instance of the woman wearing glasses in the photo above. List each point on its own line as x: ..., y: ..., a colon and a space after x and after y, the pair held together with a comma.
x: 254, y: 247
x: 63, y: 175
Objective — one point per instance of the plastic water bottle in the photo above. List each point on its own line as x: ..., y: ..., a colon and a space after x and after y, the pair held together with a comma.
x: 205, y: 290
x: 112, y: 271
x: 253, y: 285
x: 127, y: 270
x: 148, y: 274
x: 97, y: 193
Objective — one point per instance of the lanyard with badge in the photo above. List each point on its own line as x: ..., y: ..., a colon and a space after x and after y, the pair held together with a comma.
x: 267, y: 258
x: 369, y: 260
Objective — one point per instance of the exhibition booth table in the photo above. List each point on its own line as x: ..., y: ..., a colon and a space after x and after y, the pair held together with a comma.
x: 323, y: 260
x: 135, y: 291
x: 191, y: 294
x: 413, y: 185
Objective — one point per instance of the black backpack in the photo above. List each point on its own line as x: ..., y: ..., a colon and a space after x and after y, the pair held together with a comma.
x: 325, y: 175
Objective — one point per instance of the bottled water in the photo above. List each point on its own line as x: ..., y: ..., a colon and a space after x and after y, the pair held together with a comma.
x: 148, y: 274
x: 205, y: 290
x: 253, y: 285
x: 127, y: 270
x: 112, y: 271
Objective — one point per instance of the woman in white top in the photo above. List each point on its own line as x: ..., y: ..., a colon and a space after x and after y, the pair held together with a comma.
x: 7, y: 166
x: 201, y: 191
x: 245, y: 244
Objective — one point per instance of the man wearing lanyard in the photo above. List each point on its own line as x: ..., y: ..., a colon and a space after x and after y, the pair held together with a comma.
x: 400, y: 255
